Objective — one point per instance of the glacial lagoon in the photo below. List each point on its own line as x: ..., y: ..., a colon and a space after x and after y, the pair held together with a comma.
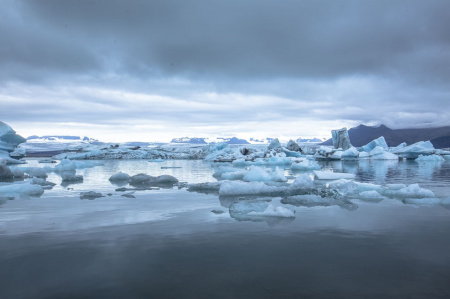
x: 172, y: 243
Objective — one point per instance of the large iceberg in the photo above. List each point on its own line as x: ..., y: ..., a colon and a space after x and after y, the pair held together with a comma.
x: 9, y: 140
x: 341, y: 139
x: 373, y: 144
x: 413, y: 151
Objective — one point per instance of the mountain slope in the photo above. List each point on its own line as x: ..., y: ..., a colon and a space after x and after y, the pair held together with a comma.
x: 361, y: 135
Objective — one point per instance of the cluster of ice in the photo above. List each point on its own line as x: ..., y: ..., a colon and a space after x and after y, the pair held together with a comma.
x: 9, y: 140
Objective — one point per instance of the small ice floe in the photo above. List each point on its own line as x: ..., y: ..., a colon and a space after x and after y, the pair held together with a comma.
x: 120, y: 177
x: 208, y: 187
x: 261, y: 209
x: 234, y: 188
x: 21, y: 188
x: 145, y: 179
x: 371, y: 196
x: 430, y: 158
x: 411, y: 191
x: 90, y: 195
x: 427, y: 201
x: 43, y: 183
x: 218, y: 212
x: 328, y: 175
x: 129, y: 195
x: 306, y: 165
x: 70, y: 176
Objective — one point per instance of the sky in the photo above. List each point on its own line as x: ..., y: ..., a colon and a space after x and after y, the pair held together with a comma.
x: 155, y: 70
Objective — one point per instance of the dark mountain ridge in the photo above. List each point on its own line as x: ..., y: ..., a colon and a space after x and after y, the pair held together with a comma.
x: 361, y: 135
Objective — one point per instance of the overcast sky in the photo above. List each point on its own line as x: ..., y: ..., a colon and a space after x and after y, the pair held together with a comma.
x: 153, y: 70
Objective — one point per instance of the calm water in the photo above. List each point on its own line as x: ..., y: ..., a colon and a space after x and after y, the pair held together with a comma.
x: 168, y: 244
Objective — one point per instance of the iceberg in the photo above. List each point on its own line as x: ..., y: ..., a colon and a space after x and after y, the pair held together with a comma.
x: 413, y: 151
x: 379, y: 153
x: 350, y: 154
x: 274, y: 211
x: 293, y: 146
x: 303, y: 181
x: 379, y: 142
x: 275, y: 144
x: 341, y: 139
x: 9, y: 140
x: 430, y: 158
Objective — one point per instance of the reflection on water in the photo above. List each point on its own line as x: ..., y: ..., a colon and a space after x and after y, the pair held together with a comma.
x: 168, y: 243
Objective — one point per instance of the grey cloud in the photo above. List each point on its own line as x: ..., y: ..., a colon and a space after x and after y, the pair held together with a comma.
x: 226, y: 39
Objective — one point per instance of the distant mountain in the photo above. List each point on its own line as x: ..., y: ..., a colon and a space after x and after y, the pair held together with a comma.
x: 60, y: 138
x: 361, y: 135
x: 310, y: 140
x: 193, y: 140
x: 236, y: 140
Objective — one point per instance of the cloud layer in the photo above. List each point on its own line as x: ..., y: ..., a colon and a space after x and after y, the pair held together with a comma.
x: 287, y: 68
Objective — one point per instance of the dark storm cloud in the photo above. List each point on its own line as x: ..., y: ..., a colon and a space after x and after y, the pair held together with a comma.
x: 230, y: 38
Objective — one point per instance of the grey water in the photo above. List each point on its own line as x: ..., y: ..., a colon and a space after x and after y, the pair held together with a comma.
x: 168, y: 243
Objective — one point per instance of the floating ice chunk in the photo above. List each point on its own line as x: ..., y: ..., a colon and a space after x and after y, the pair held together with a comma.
x: 328, y: 175
x: 351, y: 153
x: 65, y: 165
x: 371, y: 196
x: 303, y: 181
x: 343, y: 186
x: 42, y: 182
x: 218, y: 171
x: 90, y: 195
x: 341, y: 139
x: 413, y: 151
x: 20, y: 188
x: 337, y: 155
x: 235, y: 175
x: 430, y: 158
x: 364, y: 155
x: 274, y: 211
x: 379, y: 142
x: 70, y: 176
x: 120, y: 176
x: 9, y: 140
x: 17, y: 172
x: 274, y: 144
x: 446, y: 157
x: 278, y: 176
x: 144, y: 179
x: 306, y: 165
x: 71, y: 165
x: 233, y: 188
x: 398, y: 147
x: 413, y: 191
x: 293, y: 146
x: 368, y: 187
x: 257, y: 174
x: 378, y: 153
x: 37, y: 172
x: 248, y: 206
x: 205, y: 187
